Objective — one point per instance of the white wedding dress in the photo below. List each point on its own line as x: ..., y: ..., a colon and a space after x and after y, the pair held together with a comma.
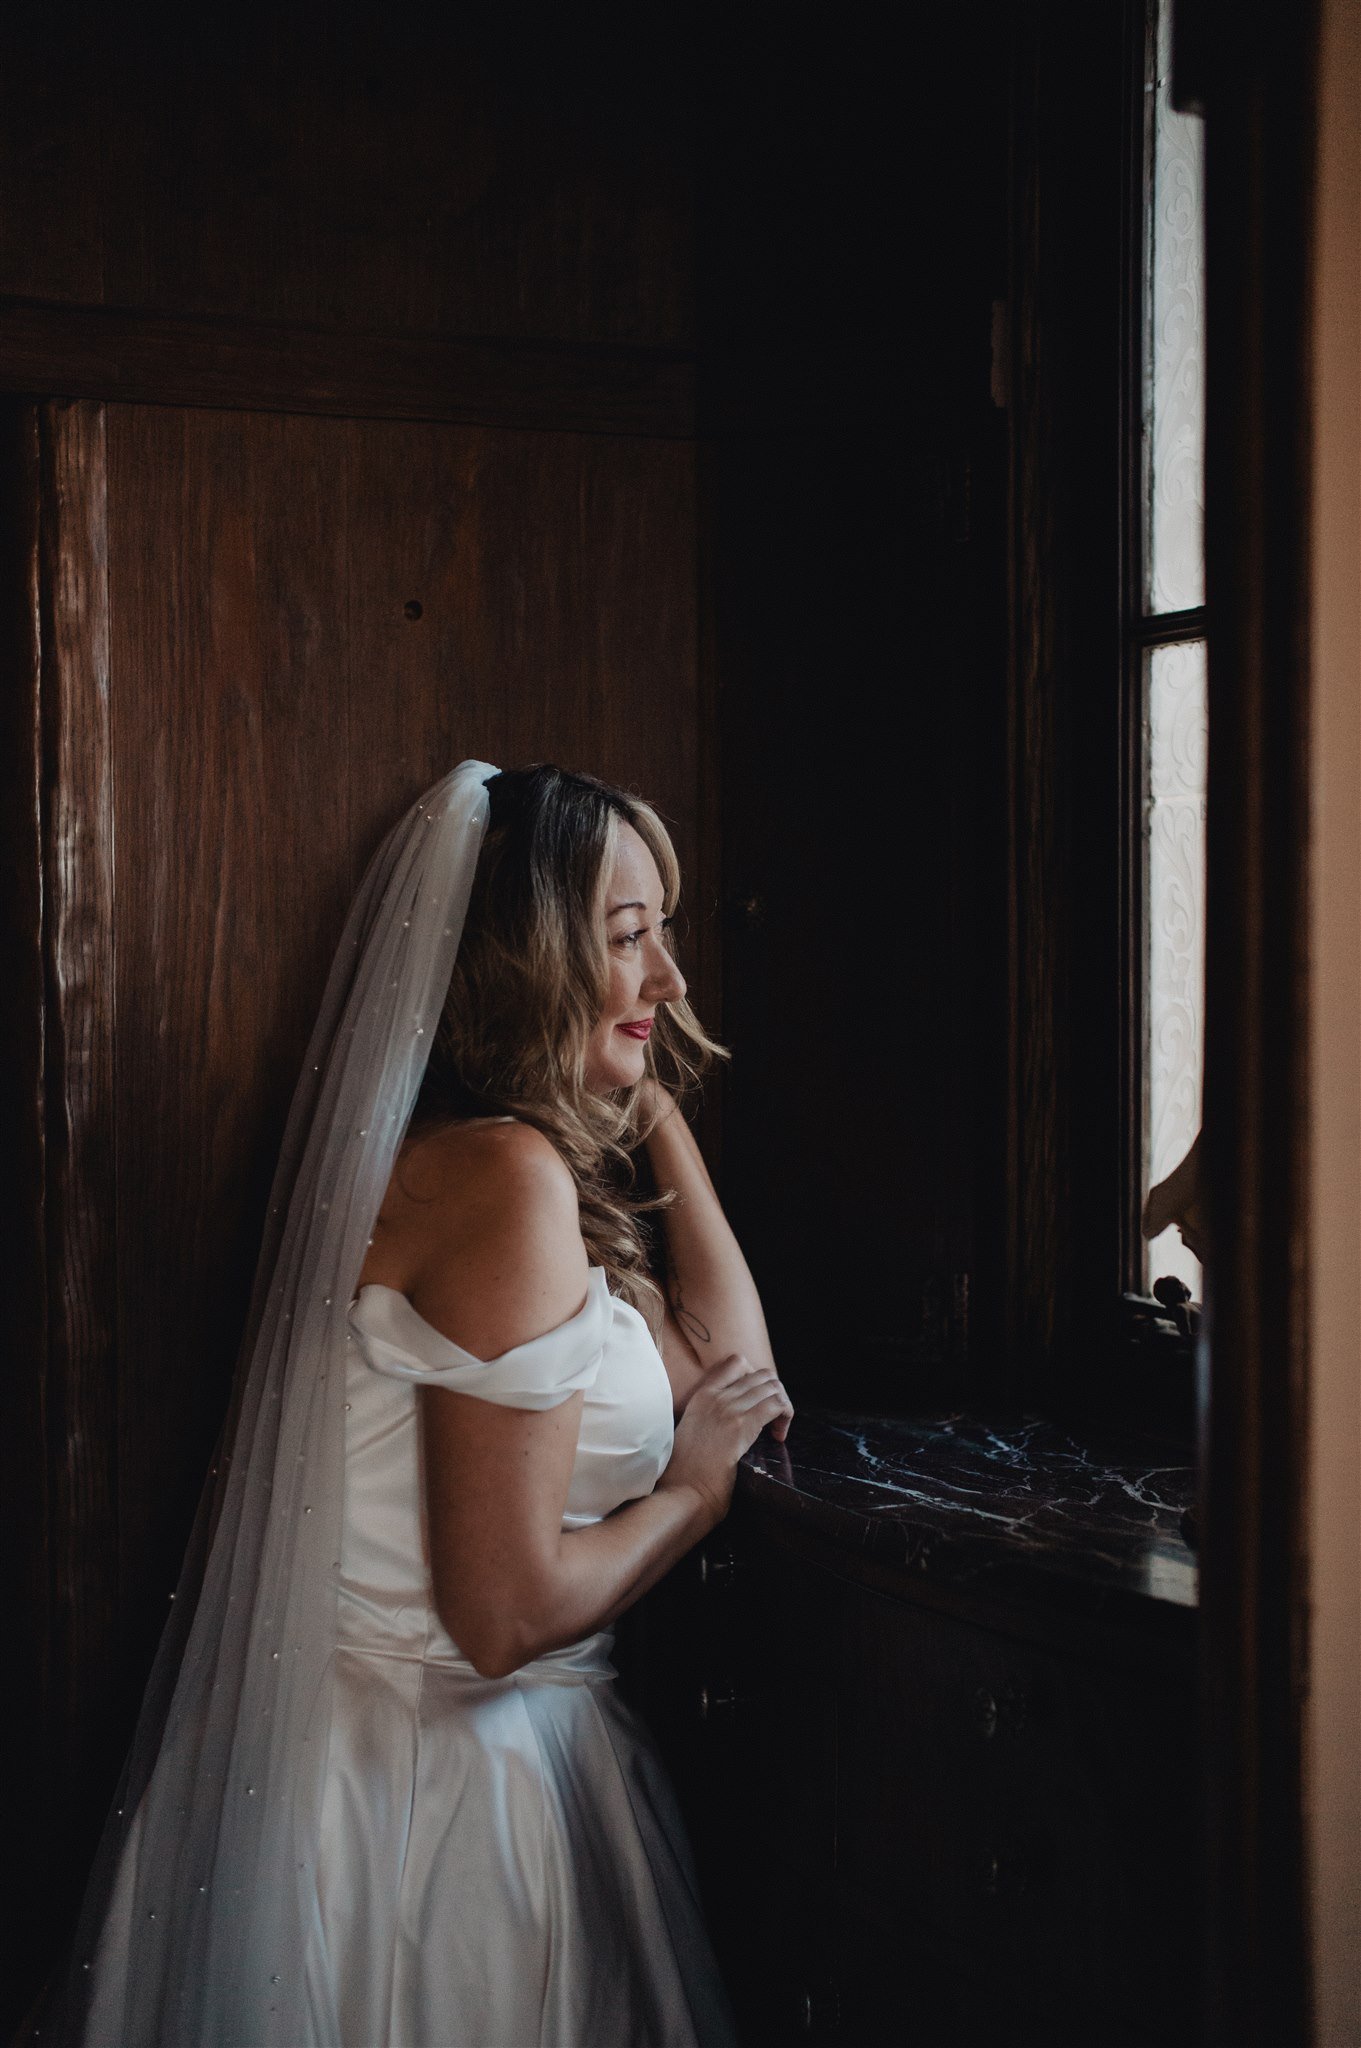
x: 502, y: 1863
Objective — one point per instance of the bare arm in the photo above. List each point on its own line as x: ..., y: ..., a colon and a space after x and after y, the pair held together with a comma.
x: 509, y: 1581
x: 714, y: 1306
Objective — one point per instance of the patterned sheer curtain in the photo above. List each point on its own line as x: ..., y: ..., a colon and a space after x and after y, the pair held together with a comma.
x: 1171, y: 629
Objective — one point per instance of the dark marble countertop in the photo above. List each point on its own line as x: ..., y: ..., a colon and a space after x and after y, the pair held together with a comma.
x: 985, y: 1503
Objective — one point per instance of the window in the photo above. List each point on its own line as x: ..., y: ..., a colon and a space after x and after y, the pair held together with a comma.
x: 1165, y: 647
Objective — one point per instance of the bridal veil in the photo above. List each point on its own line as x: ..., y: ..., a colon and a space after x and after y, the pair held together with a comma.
x: 203, y: 1891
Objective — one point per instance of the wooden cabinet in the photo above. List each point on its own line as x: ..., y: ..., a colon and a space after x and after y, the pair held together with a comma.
x: 916, y: 1827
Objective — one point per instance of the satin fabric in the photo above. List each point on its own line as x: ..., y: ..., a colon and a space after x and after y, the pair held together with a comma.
x: 501, y: 1861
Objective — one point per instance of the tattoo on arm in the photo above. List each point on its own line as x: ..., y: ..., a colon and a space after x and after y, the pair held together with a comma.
x: 688, y: 1321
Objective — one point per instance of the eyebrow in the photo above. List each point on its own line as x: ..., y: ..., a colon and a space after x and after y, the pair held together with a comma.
x: 615, y: 908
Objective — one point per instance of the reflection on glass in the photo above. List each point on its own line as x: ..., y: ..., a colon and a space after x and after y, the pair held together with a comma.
x: 1174, y: 413
x: 1176, y: 737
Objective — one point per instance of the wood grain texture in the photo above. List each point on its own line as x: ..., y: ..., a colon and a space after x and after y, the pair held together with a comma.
x: 502, y: 171
x: 1039, y: 1795
x: 848, y: 707
x: 1254, y: 1368
x: 311, y: 621
x: 1067, y: 1202
x: 53, y: 92
x: 25, y: 1489
x: 80, y: 1182
x: 1001, y: 1813
x: 227, y: 576
x: 857, y: 644
x: 555, y: 580
x: 1038, y: 1275
x: 112, y: 354
x: 262, y: 636
x: 385, y: 310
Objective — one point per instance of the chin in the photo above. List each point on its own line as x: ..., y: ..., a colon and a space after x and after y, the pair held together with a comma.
x: 619, y: 1068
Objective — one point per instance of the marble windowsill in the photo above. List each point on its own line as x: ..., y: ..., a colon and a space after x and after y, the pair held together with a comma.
x: 970, y: 1502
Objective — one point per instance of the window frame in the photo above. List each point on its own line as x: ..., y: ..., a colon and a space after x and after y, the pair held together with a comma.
x: 1080, y: 1337
x: 1145, y: 1321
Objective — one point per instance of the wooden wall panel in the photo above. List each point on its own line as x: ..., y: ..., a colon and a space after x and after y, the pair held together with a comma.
x: 430, y: 170
x: 525, y: 597
x: 470, y: 215
x: 851, y: 261
x: 309, y: 621
x: 80, y: 1192
x: 25, y: 1490
x: 227, y: 567
x: 262, y: 367
x: 51, y: 137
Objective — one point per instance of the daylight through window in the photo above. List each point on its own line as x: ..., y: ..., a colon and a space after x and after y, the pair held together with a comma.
x: 1169, y: 626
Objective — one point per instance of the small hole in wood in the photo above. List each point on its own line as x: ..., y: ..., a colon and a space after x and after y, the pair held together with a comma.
x: 413, y: 608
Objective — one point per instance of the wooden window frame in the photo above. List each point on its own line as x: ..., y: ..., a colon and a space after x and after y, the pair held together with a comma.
x: 1082, y: 1337
x: 1160, y: 1332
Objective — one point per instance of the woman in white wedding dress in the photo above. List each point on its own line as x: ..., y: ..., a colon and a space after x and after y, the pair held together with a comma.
x: 487, y: 1851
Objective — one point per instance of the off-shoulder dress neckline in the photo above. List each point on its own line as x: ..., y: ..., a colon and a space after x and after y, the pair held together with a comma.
x: 393, y: 1316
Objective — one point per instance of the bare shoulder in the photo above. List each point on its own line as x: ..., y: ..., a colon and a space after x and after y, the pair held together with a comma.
x: 496, y: 1162
x: 485, y: 1232
x: 453, y: 1175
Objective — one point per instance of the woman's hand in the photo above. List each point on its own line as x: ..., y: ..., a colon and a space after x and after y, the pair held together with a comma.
x: 723, y: 1418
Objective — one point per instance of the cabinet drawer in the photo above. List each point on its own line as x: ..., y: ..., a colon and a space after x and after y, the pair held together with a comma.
x: 784, y: 1685
x: 1038, y: 1809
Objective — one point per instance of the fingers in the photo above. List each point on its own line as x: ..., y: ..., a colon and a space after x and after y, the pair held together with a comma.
x: 757, y: 1387
x: 754, y: 1397
x: 780, y: 1415
x: 764, y: 1408
x: 762, y: 1414
x: 735, y: 1367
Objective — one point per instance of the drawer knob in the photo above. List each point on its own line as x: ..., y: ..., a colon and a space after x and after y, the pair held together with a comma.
x: 1002, y: 1712
x: 817, y: 2009
x: 717, y: 1567
x: 1004, y: 1875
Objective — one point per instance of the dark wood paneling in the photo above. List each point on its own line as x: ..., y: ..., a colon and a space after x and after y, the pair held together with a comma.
x: 937, y: 1831
x: 228, y: 554
x: 24, y: 1478
x: 305, y: 622
x: 425, y: 170
x: 1259, y: 89
x: 1067, y: 1197
x: 53, y: 91
x: 860, y: 719
x: 80, y: 1180
x: 850, y: 261
x: 1037, y: 1810
x: 480, y: 218
x: 84, y: 352
x: 555, y: 580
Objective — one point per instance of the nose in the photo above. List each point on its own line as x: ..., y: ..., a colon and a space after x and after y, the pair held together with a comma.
x: 666, y: 983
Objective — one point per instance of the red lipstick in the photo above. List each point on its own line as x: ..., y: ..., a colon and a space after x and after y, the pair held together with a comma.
x: 639, y: 1030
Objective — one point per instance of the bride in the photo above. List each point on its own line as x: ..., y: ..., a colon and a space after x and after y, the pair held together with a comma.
x: 383, y: 1790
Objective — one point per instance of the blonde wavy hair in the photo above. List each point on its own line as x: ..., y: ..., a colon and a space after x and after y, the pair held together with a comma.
x: 528, y: 988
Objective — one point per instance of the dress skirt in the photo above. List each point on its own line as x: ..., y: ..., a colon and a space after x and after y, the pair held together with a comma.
x: 502, y: 1865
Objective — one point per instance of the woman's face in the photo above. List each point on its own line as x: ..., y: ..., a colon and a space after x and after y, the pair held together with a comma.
x: 642, y: 971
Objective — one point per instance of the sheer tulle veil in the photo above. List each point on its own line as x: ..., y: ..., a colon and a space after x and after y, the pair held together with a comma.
x: 200, y: 1925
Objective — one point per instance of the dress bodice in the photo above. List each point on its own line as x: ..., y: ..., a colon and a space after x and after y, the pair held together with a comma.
x: 386, y: 1605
